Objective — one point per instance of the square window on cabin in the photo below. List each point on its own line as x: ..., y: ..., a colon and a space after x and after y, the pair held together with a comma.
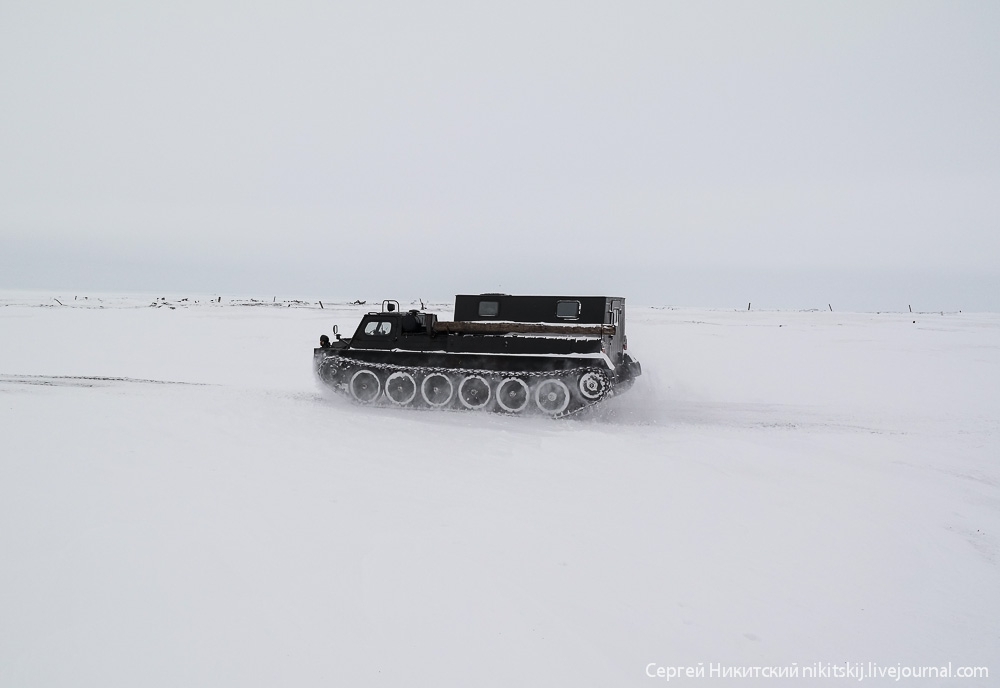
x: 568, y: 309
x: 489, y: 309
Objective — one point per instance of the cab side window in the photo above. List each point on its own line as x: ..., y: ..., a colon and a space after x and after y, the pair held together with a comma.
x: 377, y: 328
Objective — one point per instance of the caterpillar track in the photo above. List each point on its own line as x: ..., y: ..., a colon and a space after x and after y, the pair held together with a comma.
x: 518, y: 355
x: 555, y: 393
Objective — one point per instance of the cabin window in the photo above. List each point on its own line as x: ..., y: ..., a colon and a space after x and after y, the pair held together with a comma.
x: 489, y: 309
x: 378, y: 328
x: 568, y: 309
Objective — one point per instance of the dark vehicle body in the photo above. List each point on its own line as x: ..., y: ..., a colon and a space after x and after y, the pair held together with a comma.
x: 500, y: 352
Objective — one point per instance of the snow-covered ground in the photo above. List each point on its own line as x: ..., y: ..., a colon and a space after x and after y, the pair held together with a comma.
x: 181, y: 505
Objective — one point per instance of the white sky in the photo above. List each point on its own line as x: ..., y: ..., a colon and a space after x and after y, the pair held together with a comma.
x: 697, y: 153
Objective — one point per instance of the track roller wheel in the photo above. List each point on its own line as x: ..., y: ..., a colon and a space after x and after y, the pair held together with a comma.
x: 437, y: 389
x: 401, y: 388
x: 513, y: 394
x: 474, y: 392
x: 552, y: 396
x: 365, y: 386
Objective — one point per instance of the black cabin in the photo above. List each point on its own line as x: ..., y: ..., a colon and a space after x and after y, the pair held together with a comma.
x: 567, y: 310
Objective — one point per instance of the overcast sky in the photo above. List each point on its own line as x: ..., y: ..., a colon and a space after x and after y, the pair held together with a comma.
x: 689, y: 153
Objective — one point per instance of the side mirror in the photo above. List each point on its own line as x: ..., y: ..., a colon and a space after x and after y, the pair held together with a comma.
x: 336, y: 332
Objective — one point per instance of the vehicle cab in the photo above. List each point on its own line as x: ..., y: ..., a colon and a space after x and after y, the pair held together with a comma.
x: 392, y: 329
x: 377, y: 331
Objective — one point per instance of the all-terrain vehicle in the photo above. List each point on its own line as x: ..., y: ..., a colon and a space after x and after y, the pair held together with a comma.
x: 556, y: 355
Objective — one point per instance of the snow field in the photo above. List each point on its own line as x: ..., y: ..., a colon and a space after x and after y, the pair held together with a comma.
x: 778, y: 487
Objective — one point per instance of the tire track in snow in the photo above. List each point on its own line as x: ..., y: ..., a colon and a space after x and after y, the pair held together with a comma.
x: 83, y: 380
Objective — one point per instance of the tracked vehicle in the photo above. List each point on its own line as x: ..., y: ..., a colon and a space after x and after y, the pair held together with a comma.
x: 554, y: 355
